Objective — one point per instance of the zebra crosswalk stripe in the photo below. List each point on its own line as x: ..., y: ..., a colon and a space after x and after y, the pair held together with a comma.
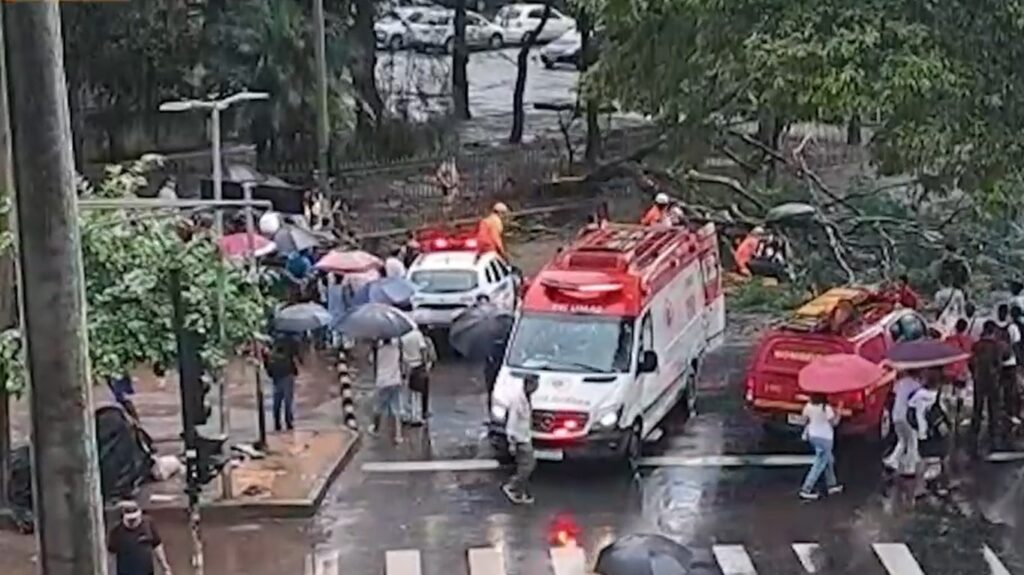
x: 807, y: 554
x: 568, y: 561
x: 897, y: 559
x: 733, y: 560
x: 995, y: 566
x: 403, y: 562
x: 486, y: 561
x: 325, y: 563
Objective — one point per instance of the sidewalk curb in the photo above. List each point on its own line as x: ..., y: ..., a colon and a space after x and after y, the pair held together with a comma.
x: 253, y: 509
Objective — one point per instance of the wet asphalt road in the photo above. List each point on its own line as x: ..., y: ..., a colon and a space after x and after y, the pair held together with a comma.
x: 439, y: 516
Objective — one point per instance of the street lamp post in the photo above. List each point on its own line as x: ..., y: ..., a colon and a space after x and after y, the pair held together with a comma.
x: 215, y: 107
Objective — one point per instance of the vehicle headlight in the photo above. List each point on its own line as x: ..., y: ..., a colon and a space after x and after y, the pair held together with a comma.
x: 499, y: 412
x: 608, y: 419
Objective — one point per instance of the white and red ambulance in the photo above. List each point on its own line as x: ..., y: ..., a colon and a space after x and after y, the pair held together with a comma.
x: 615, y: 327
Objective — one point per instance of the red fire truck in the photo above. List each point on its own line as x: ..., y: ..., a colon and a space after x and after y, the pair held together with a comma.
x: 842, y: 320
x: 615, y: 327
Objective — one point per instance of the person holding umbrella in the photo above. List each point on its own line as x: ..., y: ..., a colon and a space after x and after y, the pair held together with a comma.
x: 820, y: 433
x: 387, y: 380
x: 282, y: 365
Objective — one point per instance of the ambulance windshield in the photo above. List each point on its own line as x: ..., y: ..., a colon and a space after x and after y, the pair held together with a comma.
x: 580, y: 343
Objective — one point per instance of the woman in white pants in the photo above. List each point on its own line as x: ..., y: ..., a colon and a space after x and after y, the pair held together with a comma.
x: 914, y: 398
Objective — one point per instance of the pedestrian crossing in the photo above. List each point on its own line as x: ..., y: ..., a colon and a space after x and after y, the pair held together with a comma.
x: 730, y: 559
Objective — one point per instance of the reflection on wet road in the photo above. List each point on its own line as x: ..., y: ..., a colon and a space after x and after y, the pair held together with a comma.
x: 739, y: 514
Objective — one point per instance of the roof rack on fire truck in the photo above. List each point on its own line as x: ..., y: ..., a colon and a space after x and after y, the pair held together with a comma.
x: 863, y: 306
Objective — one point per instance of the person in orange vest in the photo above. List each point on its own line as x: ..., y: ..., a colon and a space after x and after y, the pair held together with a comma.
x: 656, y: 214
x: 489, y: 231
x: 746, y: 250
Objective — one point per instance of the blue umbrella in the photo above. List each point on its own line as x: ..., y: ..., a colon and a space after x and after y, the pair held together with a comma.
x: 301, y: 317
x: 389, y: 290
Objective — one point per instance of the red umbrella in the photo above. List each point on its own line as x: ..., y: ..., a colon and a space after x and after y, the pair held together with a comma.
x: 237, y: 245
x: 345, y: 262
x: 841, y: 372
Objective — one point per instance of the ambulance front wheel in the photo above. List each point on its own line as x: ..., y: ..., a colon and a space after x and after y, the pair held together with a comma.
x: 633, y: 447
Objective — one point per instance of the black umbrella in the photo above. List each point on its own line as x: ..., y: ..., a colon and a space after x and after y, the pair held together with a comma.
x: 644, y: 555
x: 474, y: 332
x: 376, y: 321
x: 291, y: 238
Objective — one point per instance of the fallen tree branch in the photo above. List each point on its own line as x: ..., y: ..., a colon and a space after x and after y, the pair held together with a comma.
x: 731, y: 183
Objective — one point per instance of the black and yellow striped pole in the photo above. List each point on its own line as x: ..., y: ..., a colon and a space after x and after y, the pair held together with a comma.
x: 348, y: 400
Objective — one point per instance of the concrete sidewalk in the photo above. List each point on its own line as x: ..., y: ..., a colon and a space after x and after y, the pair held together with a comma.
x: 299, y: 466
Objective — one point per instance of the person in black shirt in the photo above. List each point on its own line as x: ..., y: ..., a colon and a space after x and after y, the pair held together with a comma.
x: 283, y: 367
x: 135, y: 542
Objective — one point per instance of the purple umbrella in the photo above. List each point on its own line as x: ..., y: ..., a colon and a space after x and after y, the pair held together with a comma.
x: 923, y: 354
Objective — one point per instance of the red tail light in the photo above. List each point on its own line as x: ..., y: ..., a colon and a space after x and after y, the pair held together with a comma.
x: 750, y: 386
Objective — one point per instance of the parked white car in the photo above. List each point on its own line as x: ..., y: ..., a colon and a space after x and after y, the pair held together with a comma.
x: 520, y: 20
x: 394, y: 30
x: 480, y: 33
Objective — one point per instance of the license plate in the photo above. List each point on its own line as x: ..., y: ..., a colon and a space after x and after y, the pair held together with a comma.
x: 549, y: 454
x: 796, y: 419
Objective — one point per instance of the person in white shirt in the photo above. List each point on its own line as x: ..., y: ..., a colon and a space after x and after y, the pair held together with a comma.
x: 518, y: 429
x: 388, y: 378
x: 394, y: 267
x: 419, y: 356
x: 820, y: 433
x: 905, y: 457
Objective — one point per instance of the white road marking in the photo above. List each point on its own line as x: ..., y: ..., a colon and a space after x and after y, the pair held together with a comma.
x: 727, y: 461
x: 733, y: 560
x: 668, y: 460
x: 323, y: 563
x: 402, y: 562
x: 486, y: 561
x: 806, y: 553
x: 568, y: 561
x: 897, y: 559
x: 435, y: 465
x: 1004, y: 456
x: 995, y: 566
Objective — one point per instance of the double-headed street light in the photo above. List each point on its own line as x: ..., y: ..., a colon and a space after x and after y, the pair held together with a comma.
x: 215, y: 107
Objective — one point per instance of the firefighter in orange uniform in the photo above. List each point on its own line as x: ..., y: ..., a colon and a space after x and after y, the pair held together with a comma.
x: 489, y: 232
x: 746, y: 250
x: 656, y: 214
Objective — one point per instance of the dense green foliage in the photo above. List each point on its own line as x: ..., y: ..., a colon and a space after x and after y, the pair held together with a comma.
x: 943, y: 78
x: 127, y: 257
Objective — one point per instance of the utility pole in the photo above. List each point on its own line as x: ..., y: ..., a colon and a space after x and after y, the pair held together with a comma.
x: 9, y: 317
x: 65, y: 471
x: 323, y: 122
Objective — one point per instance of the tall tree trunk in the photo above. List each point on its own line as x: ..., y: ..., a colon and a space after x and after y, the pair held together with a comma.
x: 587, y: 57
x: 8, y: 275
x: 66, y: 487
x: 853, y: 131
x: 362, y: 66
x: 460, y: 60
x: 522, y: 61
x: 769, y: 130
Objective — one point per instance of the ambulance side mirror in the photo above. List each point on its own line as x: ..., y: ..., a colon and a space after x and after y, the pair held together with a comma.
x: 648, y: 362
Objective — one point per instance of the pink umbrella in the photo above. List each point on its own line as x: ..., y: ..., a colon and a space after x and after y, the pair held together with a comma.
x: 346, y: 262
x: 237, y: 245
x: 842, y: 372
